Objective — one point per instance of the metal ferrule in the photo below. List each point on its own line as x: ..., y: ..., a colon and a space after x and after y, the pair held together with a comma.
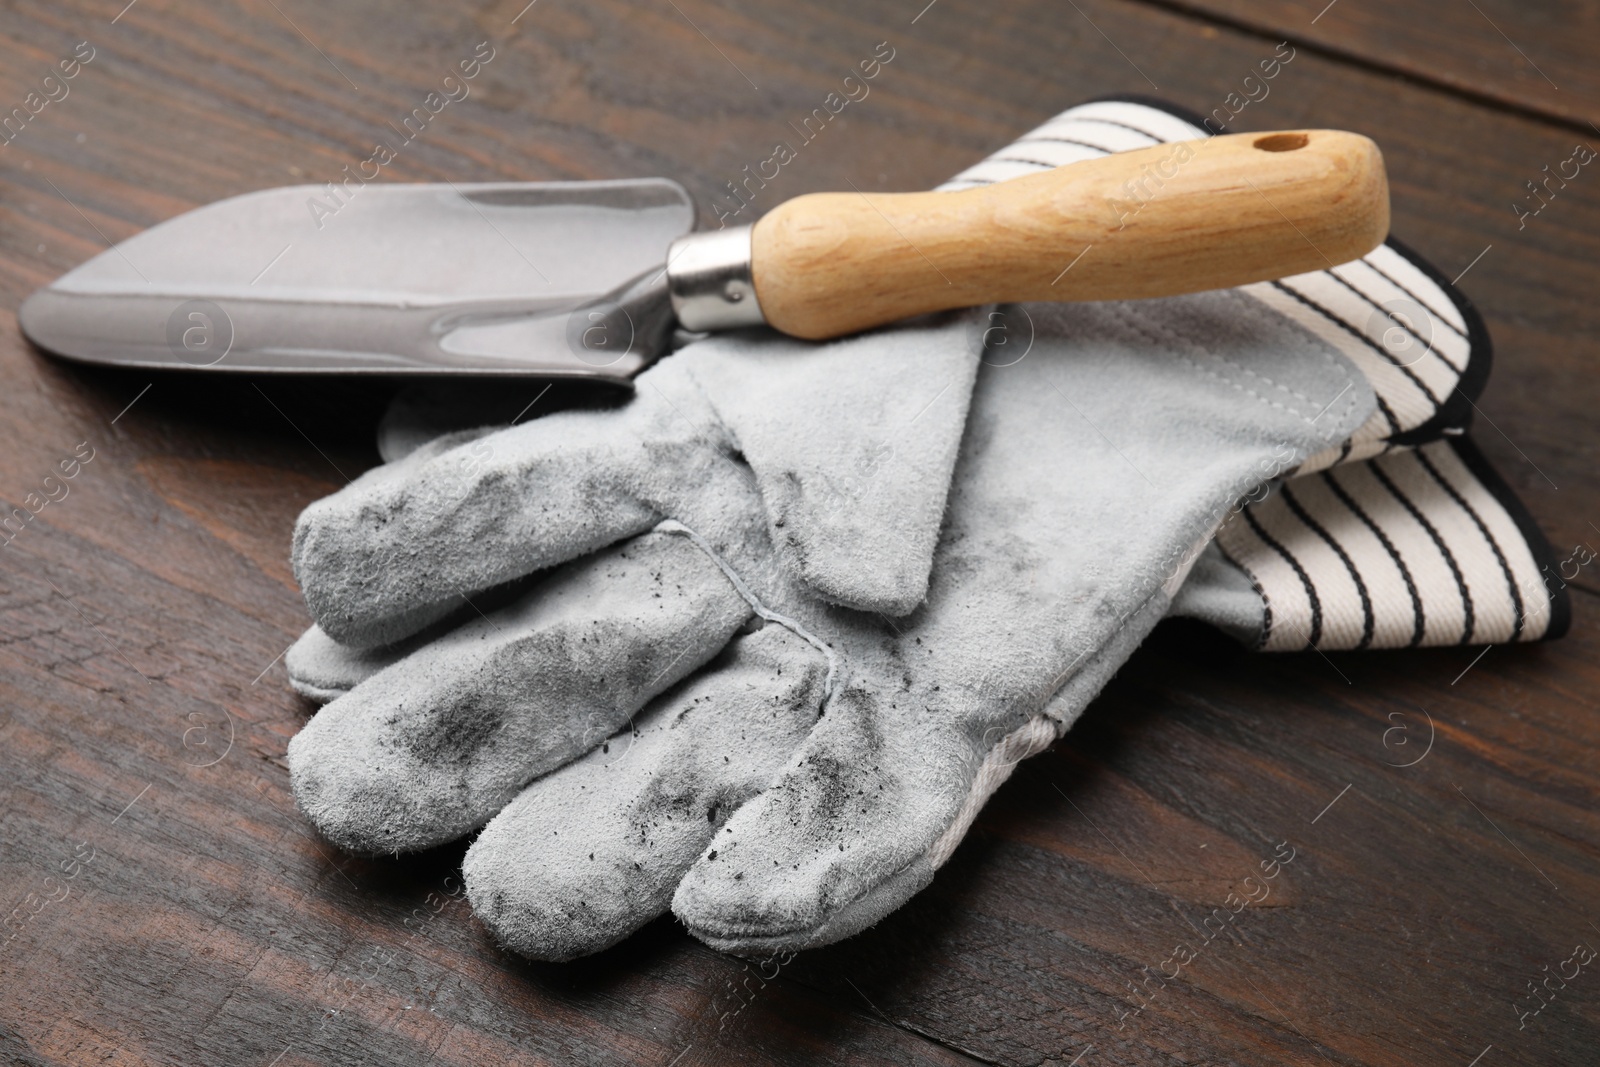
x: 708, y: 278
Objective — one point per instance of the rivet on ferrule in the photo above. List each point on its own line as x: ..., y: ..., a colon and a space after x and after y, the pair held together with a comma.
x: 709, y: 280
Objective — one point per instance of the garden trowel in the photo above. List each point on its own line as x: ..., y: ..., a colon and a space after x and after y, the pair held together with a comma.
x: 598, y: 279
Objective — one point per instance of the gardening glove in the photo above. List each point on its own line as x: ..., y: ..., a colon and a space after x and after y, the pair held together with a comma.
x: 811, y: 775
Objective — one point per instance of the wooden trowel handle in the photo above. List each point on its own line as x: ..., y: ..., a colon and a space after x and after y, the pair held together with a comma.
x: 1168, y: 219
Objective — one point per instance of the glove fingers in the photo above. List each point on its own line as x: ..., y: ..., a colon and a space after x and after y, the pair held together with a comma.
x: 588, y: 854
x: 432, y: 746
x: 395, y: 550
x: 877, y: 800
x: 847, y: 826
x: 321, y: 669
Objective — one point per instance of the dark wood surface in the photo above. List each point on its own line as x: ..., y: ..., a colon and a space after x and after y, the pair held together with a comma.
x: 170, y: 904
x: 1535, y: 59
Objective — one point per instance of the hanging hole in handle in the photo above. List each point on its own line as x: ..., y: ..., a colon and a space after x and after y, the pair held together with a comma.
x: 1281, y: 142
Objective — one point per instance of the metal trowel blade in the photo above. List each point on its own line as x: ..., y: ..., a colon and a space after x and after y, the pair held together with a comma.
x: 417, y: 280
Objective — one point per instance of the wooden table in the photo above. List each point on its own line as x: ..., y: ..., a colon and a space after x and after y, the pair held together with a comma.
x: 171, y: 905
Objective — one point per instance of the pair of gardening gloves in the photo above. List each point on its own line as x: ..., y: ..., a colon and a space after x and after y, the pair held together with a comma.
x: 757, y: 645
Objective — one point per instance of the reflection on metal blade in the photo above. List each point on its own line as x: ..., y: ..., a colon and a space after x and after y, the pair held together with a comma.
x: 252, y: 284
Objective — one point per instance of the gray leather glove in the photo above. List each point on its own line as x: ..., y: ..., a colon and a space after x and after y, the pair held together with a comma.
x: 812, y: 775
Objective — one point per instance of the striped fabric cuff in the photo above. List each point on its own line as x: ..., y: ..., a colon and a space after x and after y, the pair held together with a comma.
x: 1415, y: 548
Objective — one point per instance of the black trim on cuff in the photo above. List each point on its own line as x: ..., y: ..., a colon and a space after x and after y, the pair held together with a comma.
x: 1177, y: 111
x: 1543, y: 555
x: 1456, y: 412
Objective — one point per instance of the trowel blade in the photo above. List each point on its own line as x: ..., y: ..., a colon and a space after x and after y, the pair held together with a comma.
x: 437, y: 279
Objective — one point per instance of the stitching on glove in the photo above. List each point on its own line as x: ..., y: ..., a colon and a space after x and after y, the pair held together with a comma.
x: 672, y: 526
x: 1173, y: 339
x: 1259, y: 310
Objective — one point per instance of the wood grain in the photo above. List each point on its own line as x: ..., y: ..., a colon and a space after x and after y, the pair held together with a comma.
x: 1534, y: 59
x: 144, y: 715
